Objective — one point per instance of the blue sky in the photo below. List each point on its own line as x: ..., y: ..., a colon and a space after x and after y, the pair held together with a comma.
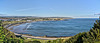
x: 49, y: 8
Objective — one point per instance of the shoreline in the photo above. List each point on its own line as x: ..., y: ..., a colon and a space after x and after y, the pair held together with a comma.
x: 41, y: 37
x: 28, y: 36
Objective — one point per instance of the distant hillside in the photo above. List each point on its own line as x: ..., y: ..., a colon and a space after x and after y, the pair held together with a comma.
x: 29, y: 17
x: 17, y: 16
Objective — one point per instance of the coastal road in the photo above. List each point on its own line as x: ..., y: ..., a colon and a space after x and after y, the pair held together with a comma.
x: 43, y: 38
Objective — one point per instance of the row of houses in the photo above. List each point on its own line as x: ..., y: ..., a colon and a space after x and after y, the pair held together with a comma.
x: 11, y: 19
x: 14, y: 19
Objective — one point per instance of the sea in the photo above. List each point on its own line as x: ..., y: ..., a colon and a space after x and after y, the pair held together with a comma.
x: 62, y: 28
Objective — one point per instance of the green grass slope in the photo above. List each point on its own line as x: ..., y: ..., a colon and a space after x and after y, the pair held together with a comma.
x: 7, y: 36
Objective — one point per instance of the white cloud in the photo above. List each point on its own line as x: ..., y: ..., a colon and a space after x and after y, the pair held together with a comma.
x: 25, y: 9
x: 97, y: 14
x: 87, y: 16
x: 52, y: 9
x: 2, y: 14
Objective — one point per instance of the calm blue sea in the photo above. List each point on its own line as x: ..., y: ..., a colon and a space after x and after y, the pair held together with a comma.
x: 68, y: 27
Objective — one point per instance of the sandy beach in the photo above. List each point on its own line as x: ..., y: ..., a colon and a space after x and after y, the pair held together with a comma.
x: 43, y: 38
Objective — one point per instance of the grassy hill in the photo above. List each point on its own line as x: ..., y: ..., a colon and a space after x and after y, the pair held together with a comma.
x: 7, y: 36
